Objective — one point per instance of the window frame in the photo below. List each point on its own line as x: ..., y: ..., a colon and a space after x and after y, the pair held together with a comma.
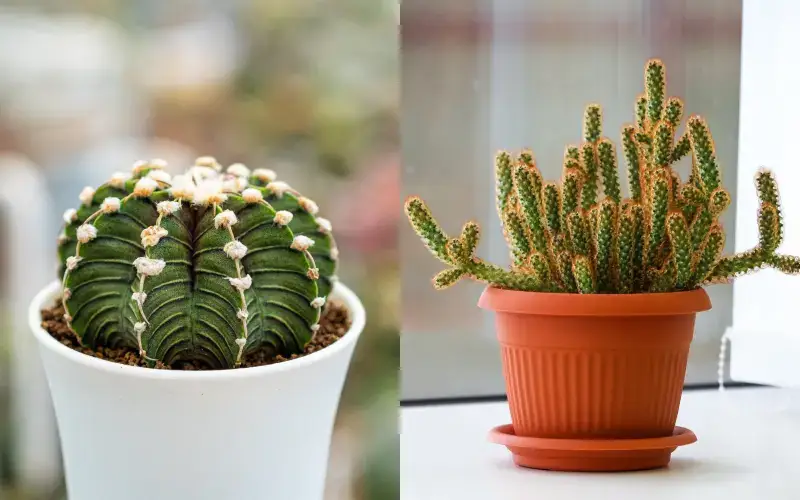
x: 432, y: 367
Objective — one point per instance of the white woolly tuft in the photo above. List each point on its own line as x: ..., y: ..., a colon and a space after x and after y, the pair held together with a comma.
x: 209, y: 192
x: 168, y: 207
x: 265, y: 174
x: 283, y: 217
x: 235, y: 249
x: 199, y: 173
x: 70, y: 215
x: 241, y: 283
x: 315, y: 328
x: 144, y: 187
x: 62, y: 238
x: 110, y: 205
x: 72, y: 262
x: 67, y: 318
x: 182, y: 187
x: 241, y: 314
x: 302, y: 243
x: 140, y: 166
x: 251, y: 195
x: 240, y: 341
x: 318, y: 302
x: 313, y: 273
x: 225, y: 219
x: 208, y: 161
x: 324, y: 225
x: 149, y: 267
x: 158, y: 163
x: 234, y: 184
x: 334, y: 253
x: 139, y: 327
x: 139, y: 297
x: 86, y: 233
x: 160, y: 176
x: 278, y: 188
x: 87, y: 195
x: 66, y: 294
x: 308, y: 205
x: 239, y: 170
x: 118, y: 180
x: 152, y: 235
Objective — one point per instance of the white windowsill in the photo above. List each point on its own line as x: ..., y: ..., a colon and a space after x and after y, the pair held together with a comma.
x: 748, y: 448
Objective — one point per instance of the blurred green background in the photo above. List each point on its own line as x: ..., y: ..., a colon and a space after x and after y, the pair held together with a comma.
x: 308, y: 88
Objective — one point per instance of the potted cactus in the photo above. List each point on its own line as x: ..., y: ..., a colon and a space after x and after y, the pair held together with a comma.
x: 207, y: 295
x: 596, y: 314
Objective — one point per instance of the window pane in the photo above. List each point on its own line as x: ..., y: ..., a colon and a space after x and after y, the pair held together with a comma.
x: 505, y: 74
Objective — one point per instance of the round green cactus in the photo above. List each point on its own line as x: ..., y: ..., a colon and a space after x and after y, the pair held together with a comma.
x: 206, y: 267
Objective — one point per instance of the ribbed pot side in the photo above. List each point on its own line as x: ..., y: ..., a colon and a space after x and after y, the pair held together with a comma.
x: 594, y: 366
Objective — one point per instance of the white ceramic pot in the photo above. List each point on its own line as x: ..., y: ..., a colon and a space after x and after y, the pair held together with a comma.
x: 129, y: 433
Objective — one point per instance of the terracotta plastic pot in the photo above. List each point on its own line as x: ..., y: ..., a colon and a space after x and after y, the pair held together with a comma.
x: 594, y: 366
x: 129, y: 433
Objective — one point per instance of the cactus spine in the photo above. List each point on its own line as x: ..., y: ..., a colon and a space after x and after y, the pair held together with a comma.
x: 665, y: 237
x: 203, y: 267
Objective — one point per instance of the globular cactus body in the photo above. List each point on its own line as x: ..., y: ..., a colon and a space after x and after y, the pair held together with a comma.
x: 206, y: 267
x: 665, y: 237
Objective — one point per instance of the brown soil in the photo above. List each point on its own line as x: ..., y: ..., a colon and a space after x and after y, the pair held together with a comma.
x: 334, y: 324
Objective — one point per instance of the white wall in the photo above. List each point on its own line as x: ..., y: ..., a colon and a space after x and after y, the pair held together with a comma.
x: 765, y: 305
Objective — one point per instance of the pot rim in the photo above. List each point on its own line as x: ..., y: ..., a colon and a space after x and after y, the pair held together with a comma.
x: 574, y: 304
x: 341, y: 292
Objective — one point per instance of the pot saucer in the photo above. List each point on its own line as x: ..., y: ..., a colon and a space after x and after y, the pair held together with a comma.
x: 591, y: 455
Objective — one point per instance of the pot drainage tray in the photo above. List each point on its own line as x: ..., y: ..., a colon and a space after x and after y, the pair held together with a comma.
x: 591, y: 455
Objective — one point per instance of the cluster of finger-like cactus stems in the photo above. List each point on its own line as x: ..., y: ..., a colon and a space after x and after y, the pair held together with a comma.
x: 665, y: 237
x: 204, y: 267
